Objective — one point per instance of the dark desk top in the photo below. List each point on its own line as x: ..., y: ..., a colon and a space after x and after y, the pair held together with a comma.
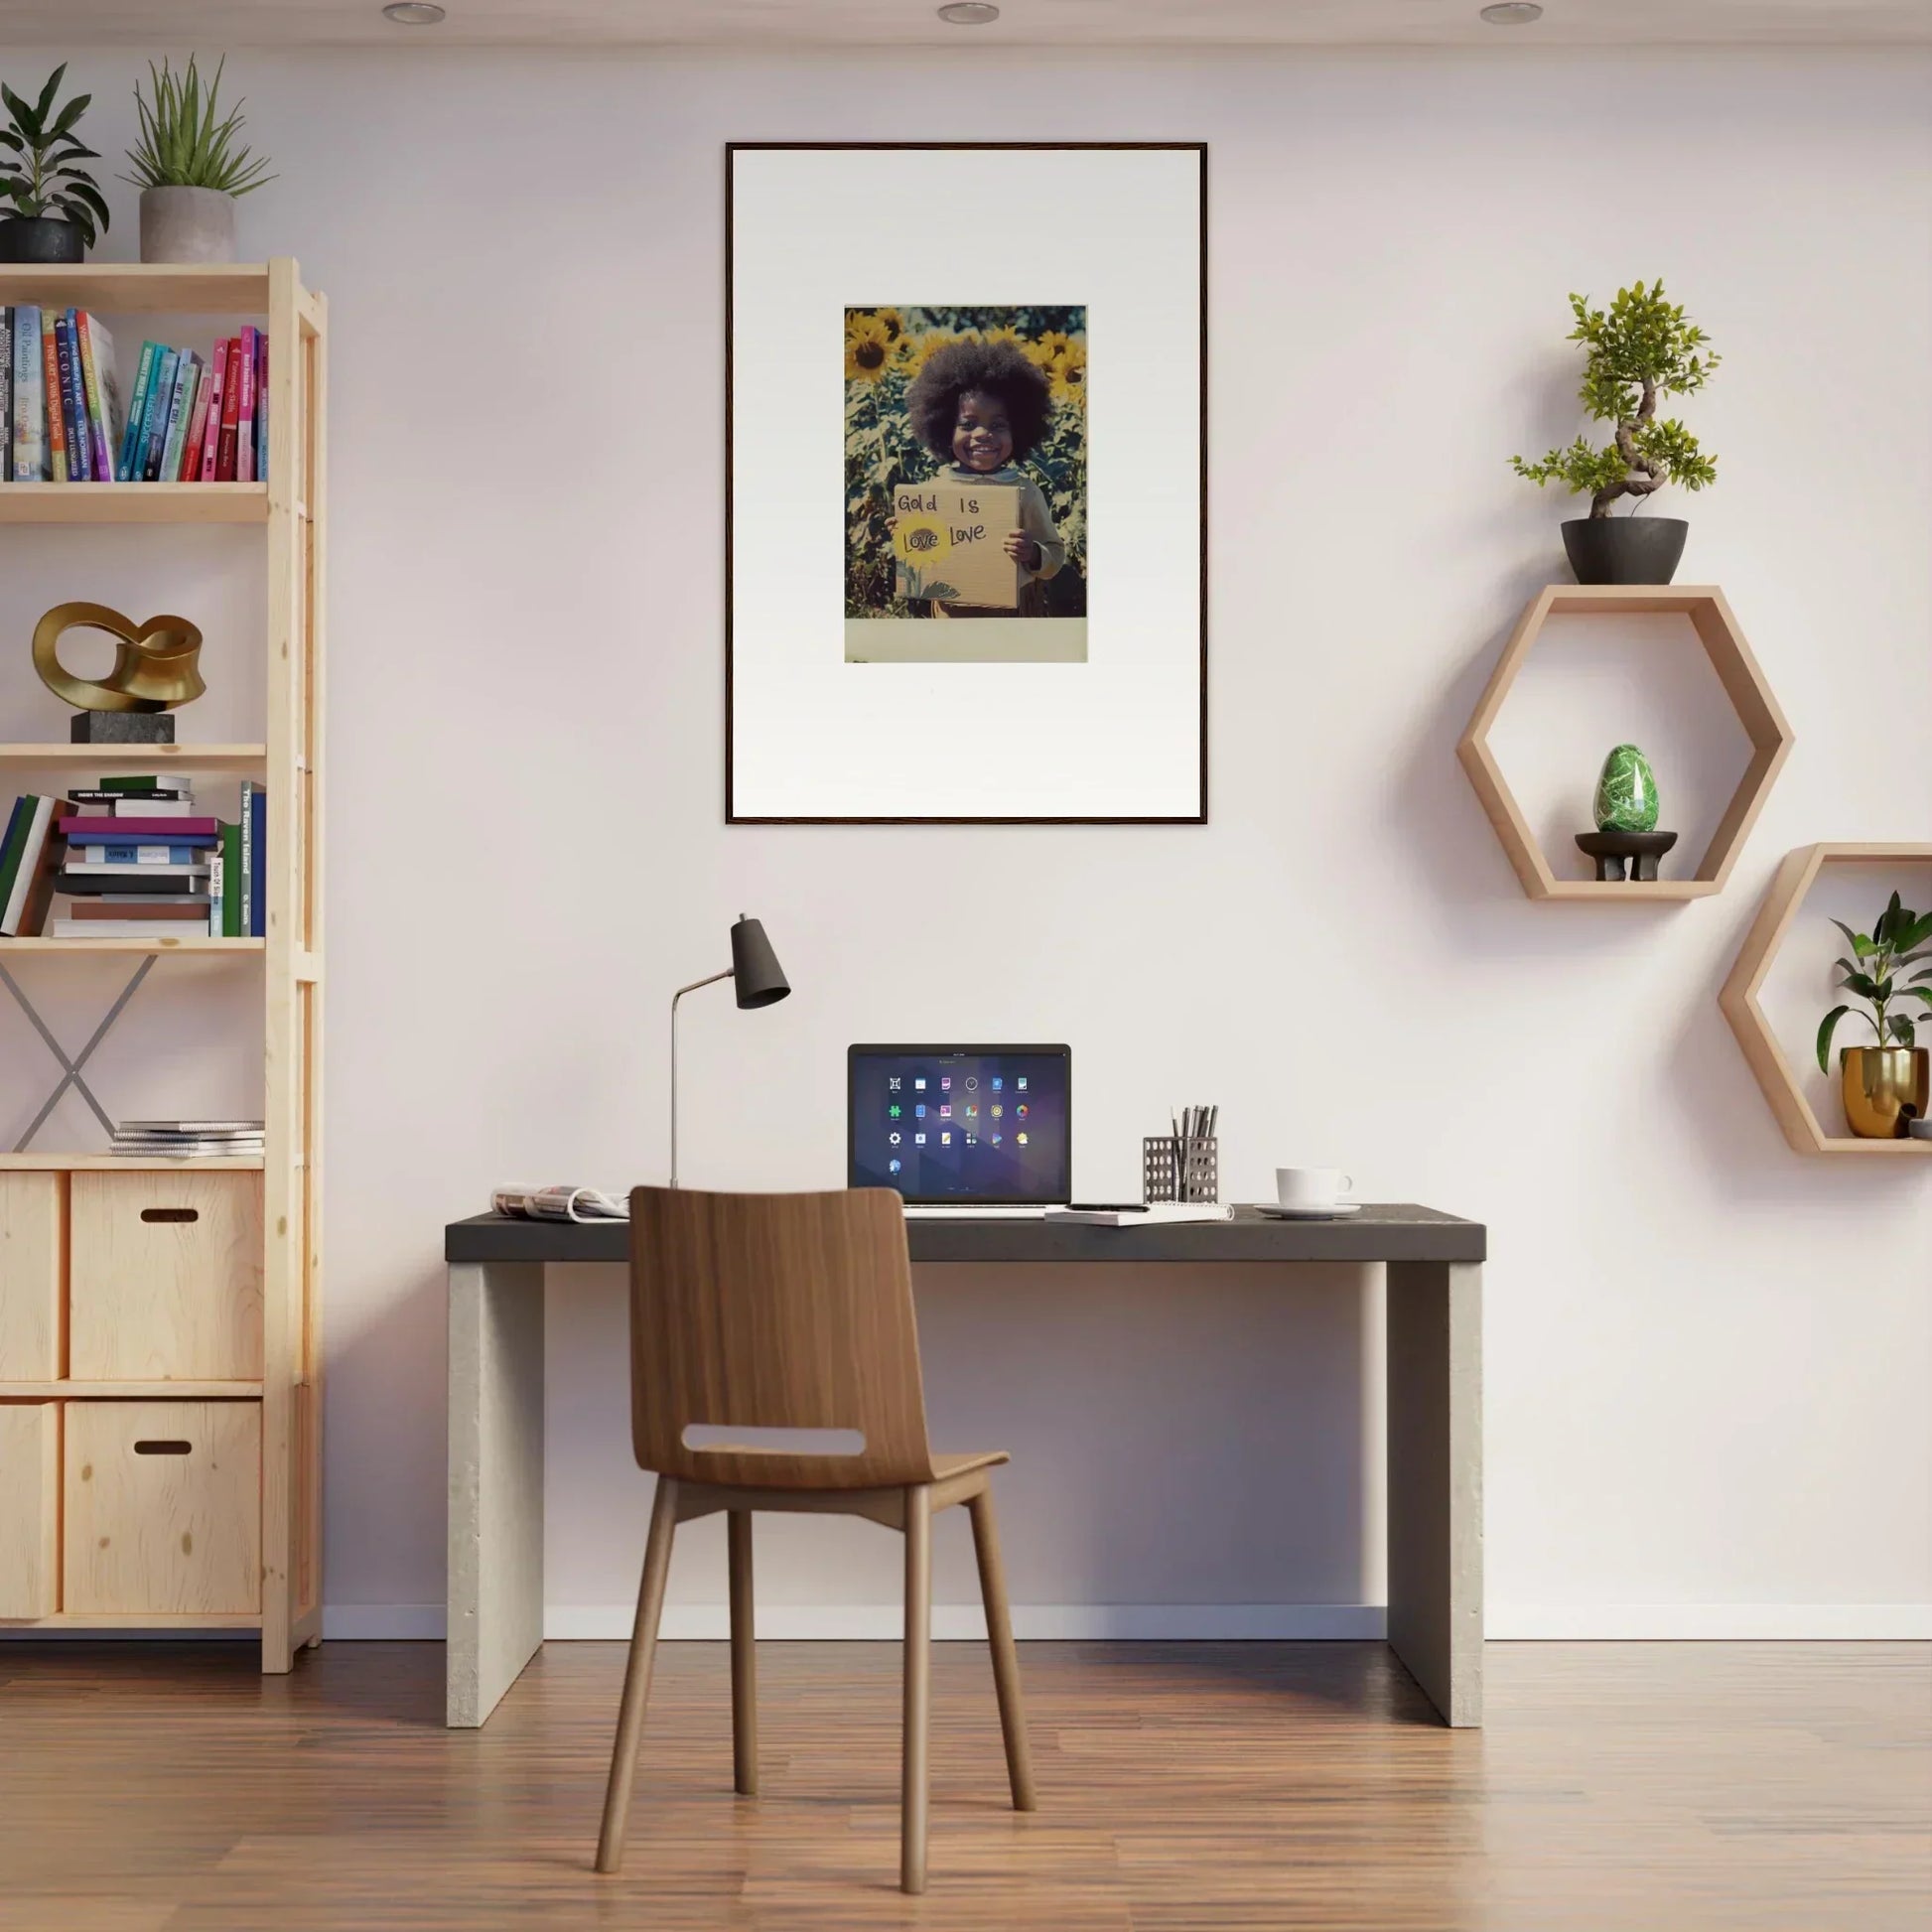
x: 1388, y: 1231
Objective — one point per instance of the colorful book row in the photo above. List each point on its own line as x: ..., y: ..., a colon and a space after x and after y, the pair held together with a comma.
x: 134, y: 874
x: 188, y: 420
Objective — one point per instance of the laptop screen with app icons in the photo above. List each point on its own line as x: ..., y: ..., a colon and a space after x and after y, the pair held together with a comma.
x: 965, y: 1125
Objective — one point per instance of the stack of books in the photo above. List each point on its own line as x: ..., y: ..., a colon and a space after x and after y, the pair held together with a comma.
x: 136, y: 860
x: 187, y: 419
x: 187, y: 1140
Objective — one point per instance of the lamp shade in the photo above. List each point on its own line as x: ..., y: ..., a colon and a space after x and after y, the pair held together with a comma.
x: 757, y: 978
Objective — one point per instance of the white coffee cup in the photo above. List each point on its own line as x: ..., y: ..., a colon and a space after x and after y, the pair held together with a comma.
x: 1310, y: 1187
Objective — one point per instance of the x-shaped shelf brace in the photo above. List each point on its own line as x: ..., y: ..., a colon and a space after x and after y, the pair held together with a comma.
x: 71, y: 1076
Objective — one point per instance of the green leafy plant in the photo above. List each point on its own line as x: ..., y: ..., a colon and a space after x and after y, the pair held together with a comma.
x: 1898, y: 940
x: 37, y: 152
x: 1641, y: 350
x: 181, y: 143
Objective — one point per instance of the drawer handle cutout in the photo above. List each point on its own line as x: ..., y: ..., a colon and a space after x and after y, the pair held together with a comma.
x: 171, y: 1213
x: 154, y: 1447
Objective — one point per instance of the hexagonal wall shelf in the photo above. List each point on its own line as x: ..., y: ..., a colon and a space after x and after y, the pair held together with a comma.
x: 1750, y: 697
x: 1775, y: 1073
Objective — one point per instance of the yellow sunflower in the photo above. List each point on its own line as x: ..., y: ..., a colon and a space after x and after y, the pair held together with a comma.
x: 868, y: 350
x: 1006, y: 332
x: 1048, y: 347
x: 1067, y: 375
x: 915, y: 352
x: 892, y: 321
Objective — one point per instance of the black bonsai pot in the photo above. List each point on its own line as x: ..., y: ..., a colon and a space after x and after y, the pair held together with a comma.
x: 40, y: 239
x: 1625, y: 549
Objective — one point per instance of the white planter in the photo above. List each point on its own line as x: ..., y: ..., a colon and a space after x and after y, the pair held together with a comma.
x: 187, y: 225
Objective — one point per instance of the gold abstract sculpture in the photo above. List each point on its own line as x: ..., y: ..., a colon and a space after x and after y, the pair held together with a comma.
x: 154, y: 666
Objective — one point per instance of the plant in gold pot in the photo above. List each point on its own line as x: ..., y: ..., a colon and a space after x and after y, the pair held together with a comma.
x: 1886, y: 1085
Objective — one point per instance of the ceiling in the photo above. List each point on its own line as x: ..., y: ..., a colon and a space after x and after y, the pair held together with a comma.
x: 886, y: 24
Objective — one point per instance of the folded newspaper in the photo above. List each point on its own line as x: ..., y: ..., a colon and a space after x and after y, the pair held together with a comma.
x: 558, y: 1204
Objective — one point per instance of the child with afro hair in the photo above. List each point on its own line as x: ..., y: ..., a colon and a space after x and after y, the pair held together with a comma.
x: 980, y: 407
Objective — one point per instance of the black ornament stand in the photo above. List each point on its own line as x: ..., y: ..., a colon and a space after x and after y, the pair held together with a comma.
x: 122, y: 728
x: 1613, y: 850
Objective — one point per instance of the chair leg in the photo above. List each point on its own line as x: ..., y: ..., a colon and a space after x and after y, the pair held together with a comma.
x: 636, y: 1676
x: 1006, y: 1660
x: 918, y: 1687
x: 745, y: 1665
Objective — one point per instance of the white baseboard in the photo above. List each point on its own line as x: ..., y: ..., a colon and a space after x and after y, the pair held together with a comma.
x: 1162, y: 1623
x: 1709, y: 1622
x: 1147, y: 1623
x: 954, y: 1622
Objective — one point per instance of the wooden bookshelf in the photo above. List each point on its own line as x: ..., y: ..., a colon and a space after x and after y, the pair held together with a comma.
x: 131, y: 287
x: 191, y: 942
x: 288, y: 510
x: 109, y: 757
x: 1715, y: 631
x: 1739, y: 998
x: 29, y: 1162
x: 134, y: 503
x: 226, y: 1390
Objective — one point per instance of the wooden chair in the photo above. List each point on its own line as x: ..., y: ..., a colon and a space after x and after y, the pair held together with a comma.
x: 766, y: 1311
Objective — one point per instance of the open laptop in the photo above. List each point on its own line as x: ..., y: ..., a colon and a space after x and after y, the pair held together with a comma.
x: 976, y: 1130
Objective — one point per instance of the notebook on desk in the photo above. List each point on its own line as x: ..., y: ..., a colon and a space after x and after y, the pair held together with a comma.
x: 962, y: 1130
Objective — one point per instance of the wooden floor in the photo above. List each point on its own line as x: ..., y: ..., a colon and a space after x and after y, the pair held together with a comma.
x: 1655, y: 1787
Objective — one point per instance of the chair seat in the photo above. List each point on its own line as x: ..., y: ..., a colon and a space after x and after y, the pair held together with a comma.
x: 944, y: 1466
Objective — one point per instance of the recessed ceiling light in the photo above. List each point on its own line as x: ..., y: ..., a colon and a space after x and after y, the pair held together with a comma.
x: 1512, y: 13
x: 413, y: 13
x: 969, y: 13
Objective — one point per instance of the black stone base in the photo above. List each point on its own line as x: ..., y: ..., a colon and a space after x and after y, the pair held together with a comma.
x: 122, y: 728
x: 1611, y: 850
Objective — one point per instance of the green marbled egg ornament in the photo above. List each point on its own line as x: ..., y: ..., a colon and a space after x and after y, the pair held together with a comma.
x: 1626, y: 793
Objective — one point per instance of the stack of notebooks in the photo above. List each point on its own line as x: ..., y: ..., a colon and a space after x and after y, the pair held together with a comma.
x: 136, y: 862
x: 187, y: 1140
x: 187, y: 419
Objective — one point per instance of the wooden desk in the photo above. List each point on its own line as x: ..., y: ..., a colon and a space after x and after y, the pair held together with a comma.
x: 1434, y: 1409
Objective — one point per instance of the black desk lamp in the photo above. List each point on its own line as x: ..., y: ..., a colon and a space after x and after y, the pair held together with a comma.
x: 759, y: 981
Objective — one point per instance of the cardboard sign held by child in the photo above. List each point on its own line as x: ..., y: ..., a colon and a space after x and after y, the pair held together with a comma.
x: 950, y: 543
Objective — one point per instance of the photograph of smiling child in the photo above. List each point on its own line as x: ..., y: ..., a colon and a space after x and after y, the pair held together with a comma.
x: 966, y: 483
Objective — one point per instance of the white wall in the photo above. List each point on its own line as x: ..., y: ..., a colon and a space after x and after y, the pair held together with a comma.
x: 1706, y: 1358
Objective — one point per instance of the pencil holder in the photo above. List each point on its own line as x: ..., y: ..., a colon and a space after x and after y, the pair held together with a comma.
x: 1179, y: 1170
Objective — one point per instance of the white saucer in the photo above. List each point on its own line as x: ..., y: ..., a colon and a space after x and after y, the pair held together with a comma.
x: 1272, y: 1212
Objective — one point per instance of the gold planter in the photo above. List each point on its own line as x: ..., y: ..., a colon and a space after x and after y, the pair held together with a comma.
x: 1884, y: 1087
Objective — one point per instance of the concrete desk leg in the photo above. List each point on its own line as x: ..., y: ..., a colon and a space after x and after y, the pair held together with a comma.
x: 1435, y: 1326
x: 495, y: 1578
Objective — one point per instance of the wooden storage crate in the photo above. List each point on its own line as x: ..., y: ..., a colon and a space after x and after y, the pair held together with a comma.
x: 32, y: 1267
x: 165, y: 1276
x: 163, y: 1507
x: 30, y: 1521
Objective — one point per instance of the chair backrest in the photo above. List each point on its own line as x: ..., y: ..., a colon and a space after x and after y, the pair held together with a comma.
x: 762, y: 1311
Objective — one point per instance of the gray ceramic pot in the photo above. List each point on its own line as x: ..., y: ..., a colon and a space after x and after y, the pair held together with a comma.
x: 187, y: 225
x: 1625, y: 549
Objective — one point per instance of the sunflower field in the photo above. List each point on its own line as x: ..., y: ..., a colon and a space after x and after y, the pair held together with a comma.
x: 885, y: 348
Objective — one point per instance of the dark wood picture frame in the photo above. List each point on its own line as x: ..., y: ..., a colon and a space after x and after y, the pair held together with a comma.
x: 731, y: 150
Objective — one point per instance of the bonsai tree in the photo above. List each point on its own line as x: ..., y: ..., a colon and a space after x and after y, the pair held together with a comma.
x: 1641, y: 350
x: 1899, y: 939
x: 181, y: 144
x: 38, y: 150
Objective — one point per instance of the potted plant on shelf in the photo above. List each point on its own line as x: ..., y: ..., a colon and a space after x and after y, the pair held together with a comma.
x: 54, y: 210
x: 188, y: 168
x: 1885, y: 1086
x: 1637, y: 353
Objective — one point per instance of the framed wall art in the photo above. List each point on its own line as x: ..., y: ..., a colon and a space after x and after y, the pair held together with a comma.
x: 966, y: 483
